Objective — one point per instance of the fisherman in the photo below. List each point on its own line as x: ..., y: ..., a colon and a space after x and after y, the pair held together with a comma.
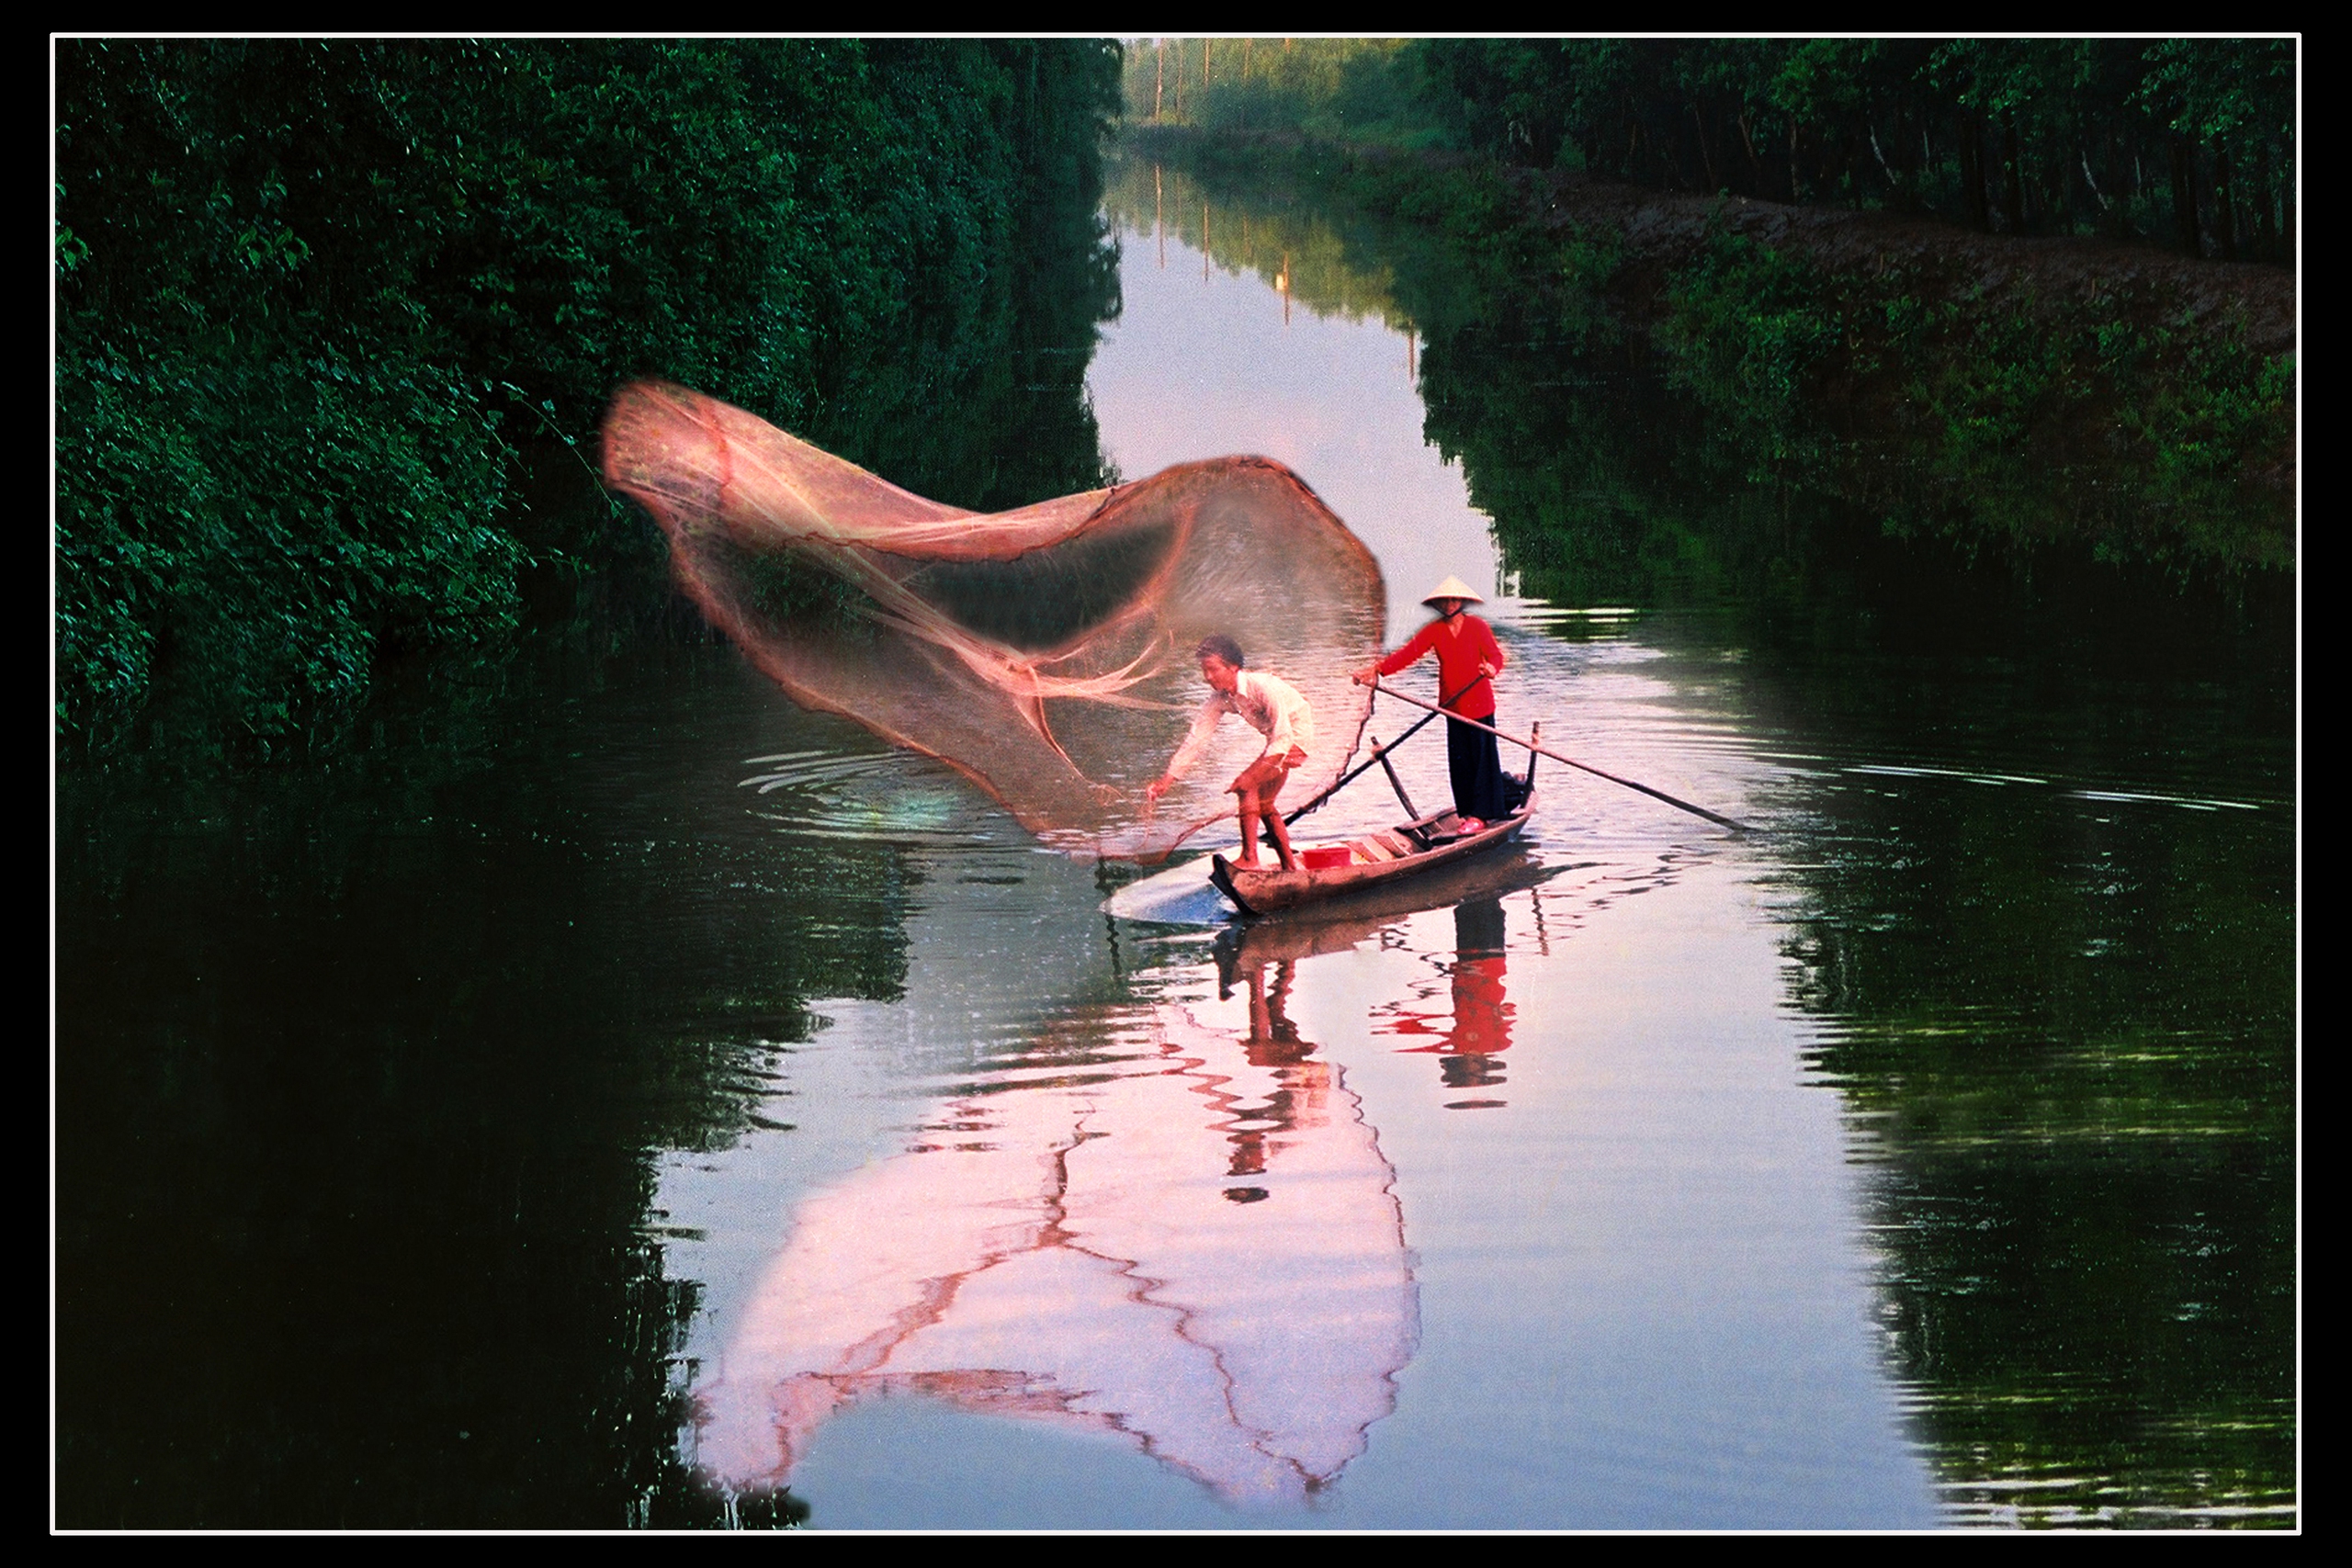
x: 1272, y: 706
x: 1468, y: 658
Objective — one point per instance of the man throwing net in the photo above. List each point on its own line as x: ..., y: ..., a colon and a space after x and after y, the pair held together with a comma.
x: 1272, y: 706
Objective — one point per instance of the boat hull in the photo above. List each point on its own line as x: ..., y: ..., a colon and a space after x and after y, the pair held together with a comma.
x: 1257, y: 890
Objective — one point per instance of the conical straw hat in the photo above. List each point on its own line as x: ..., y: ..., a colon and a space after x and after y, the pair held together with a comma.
x: 1452, y: 588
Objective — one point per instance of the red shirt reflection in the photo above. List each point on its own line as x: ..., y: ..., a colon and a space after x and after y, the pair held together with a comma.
x: 1469, y: 1042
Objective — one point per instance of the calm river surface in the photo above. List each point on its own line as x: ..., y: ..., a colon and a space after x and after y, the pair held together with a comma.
x: 679, y: 1081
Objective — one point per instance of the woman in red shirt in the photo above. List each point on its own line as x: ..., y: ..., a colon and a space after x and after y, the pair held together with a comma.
x: 1468, y: 657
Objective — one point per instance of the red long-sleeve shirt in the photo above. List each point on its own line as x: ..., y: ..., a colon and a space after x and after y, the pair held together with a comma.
x: 1459, y: 646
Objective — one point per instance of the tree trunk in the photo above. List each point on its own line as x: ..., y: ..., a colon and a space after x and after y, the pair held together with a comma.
x: 1159, y: 75
x: 2265, y: 231
x: 2287, y: 217
x: 2012, y: 179
x: 1893, y: 186
x: 2123, y: 179
x: 1755, y: 163
x: 1706, y: 155
x: 2225, y: 228
x: 2183, y: 196
x: 1971, y: 171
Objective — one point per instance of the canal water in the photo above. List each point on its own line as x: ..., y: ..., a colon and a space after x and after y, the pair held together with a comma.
x: 666, y: 1106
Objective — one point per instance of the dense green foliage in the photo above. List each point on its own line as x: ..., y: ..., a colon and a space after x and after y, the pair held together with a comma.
x: 2191, y: 140
x: 317, y: 300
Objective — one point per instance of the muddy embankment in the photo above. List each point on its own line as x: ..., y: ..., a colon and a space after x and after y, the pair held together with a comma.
x: 2250, y: 301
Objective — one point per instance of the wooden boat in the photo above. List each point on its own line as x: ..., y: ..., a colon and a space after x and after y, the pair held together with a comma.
x: 1407, y: 849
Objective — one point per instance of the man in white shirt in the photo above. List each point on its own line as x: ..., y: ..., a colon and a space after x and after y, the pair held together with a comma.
x: 1272, y: 706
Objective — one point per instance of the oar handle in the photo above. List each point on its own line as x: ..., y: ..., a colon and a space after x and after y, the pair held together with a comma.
x: 1571, y: 762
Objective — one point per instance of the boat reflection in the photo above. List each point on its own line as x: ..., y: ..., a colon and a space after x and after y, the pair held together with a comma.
x: 1149, y: 1223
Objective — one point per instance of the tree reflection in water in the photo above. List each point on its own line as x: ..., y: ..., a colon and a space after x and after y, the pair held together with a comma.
x: 1142, y: 1224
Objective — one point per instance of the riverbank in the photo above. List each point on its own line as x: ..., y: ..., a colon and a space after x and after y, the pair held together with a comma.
x: 2088, y: 395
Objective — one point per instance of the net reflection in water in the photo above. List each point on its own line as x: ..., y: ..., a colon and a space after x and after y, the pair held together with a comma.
x: 1199, y: 1248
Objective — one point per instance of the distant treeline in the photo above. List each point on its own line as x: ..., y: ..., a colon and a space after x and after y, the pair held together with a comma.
x: 317, y: 299
x: 2187, y: 141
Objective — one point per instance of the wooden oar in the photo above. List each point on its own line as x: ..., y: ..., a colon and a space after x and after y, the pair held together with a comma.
x: 1613, y: 778
x: 1379, y: 755
x: 1412, y: 812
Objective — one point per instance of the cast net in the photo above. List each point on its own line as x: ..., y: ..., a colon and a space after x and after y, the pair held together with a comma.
x: 1046, y: 652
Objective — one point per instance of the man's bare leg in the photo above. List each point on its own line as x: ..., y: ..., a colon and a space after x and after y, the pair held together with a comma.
x: 1266, y: 797
x: 1275, y: 822
x: 1259, y: 785
x: 1248, y: 818
x: 1256, y: 806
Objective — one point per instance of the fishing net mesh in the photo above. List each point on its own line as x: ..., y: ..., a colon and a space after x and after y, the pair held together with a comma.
x: 1046, y: 652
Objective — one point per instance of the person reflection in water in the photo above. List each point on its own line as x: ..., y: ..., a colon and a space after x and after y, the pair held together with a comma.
x: 1272, y: 1044
x: 1470, y: 1043
x: 1272, y: 706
